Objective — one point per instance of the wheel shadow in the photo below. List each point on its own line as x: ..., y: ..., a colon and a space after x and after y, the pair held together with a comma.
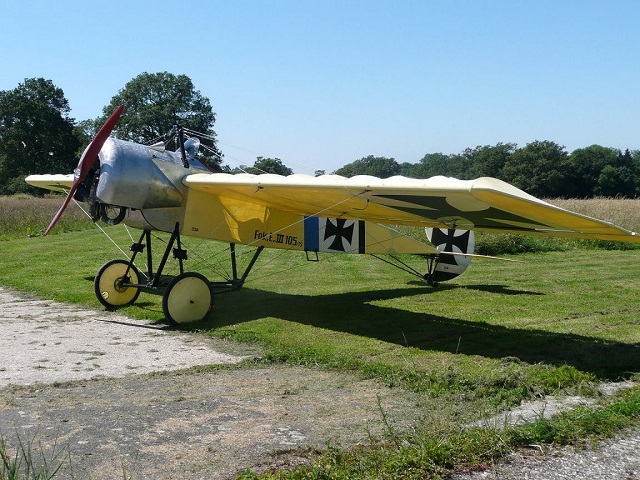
x: 354, y: 313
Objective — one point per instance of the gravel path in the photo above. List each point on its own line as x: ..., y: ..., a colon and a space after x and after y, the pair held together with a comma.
x: 616, y: 459
x: 47, y: 342
x: 75, y: 377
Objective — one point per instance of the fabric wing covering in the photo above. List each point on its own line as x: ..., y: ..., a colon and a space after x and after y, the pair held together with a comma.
x: 484, y: 204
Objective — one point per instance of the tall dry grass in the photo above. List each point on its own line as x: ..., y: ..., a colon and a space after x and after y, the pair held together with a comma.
x: 24, y: 216
x: 619, y: 211
x: 622, y: 212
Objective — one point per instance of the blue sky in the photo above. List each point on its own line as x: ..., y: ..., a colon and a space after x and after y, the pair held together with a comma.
x: 321, y: 84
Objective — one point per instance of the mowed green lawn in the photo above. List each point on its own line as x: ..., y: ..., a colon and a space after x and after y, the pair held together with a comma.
x: 556, y: 319
x: 502, y: 333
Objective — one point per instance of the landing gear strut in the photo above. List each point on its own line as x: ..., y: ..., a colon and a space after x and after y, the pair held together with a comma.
x: 429, y: 278
x: 186, y: 298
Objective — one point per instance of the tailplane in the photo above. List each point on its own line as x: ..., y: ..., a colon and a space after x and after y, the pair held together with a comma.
x: 454, y: 244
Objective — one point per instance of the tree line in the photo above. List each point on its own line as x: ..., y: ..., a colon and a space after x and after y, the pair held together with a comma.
x: 37, y: 135
x: 541, y: 168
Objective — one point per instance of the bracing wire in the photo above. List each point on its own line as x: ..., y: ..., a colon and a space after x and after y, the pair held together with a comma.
x: 129, y: 233
x: 110, y: 238
x: 202, y: 259
x: 219, y: 268
x: 101, y: 229
x: 304, y: 166
x: 263, y: 265
x: 239, y: 163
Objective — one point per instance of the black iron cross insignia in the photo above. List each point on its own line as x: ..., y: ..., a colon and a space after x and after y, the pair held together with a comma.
x: 338, y: 231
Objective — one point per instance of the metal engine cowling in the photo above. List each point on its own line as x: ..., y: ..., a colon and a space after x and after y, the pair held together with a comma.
x: 136, y: 176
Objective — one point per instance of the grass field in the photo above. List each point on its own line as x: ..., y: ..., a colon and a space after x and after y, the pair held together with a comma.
x: 25, y: 216
x: 560, y: 322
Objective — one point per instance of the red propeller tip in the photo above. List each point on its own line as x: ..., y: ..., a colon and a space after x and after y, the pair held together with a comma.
x: 87, y: 161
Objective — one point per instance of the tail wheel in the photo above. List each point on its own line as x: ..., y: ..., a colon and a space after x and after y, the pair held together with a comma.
x: 113, y: 284
x: 188, y: 298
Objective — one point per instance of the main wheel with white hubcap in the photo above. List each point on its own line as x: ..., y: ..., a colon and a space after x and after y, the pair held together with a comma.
x: 114, y: 284
x: 188, y: 298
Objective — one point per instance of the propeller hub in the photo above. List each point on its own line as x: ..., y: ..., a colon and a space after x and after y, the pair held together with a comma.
x: 87, y: 162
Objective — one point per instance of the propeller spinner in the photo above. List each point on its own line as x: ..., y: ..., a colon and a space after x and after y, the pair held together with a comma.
x: 87, y: 161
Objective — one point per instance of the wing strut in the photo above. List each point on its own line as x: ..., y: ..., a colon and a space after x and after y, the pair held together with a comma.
x: 186, y: 297
x: 426, y: 277
x: 155, y: 278
x: 236, y: 282
x: 183, y: 153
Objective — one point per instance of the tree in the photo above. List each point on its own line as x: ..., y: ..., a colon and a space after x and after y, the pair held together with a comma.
x: 155, y: 103
x: 381, y: 167
x: 36, y: 134
x: 432, y: 164
x: 635, y: 157
x: 265, y: 165
x: 586, y: 166
x: 540, y: 168
x: 85, y: 131
x: 488, y: 161
x: 618, y: 179
x: 407, y: 169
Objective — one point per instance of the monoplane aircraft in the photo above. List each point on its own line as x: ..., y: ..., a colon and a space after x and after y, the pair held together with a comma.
x: 153, y: 189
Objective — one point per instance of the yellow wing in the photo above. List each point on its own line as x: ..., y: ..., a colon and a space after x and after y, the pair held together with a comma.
x: 54, y: 182
x: 484, y: 204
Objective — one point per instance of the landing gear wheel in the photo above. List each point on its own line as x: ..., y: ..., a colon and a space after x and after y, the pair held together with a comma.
x: 188, y: 298
x: 111, y: 284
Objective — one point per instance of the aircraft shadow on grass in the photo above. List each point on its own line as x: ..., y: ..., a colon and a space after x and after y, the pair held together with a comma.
x: 354, y: 313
